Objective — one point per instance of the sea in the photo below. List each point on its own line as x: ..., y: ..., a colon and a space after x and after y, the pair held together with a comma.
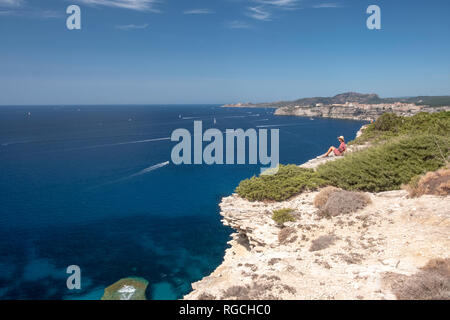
x: 94, y: 186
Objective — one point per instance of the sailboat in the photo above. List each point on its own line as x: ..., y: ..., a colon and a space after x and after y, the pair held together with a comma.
x: 215, y: 120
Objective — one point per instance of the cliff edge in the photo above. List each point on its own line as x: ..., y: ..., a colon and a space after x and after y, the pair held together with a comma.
x: 394, y: 247
x: 356, y: 111
x: 360, y: 256
x: 367, y: 255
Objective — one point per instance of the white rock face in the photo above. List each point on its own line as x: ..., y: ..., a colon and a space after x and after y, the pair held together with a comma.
x: 356, y: 111
x: 393, y: 235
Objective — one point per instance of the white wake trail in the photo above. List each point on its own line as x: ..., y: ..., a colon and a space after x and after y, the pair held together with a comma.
x: 282, y: 125
x: 143, y: 171
x: 118, y: 144
x: 146, y: 170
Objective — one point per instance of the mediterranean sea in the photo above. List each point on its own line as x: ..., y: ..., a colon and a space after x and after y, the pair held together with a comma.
x: 94, y: 186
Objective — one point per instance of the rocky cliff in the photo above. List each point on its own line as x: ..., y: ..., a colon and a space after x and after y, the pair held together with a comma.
x: 394, y: 248
x: 353, y: 105
x: 356, y: 111
x: 368, y: 255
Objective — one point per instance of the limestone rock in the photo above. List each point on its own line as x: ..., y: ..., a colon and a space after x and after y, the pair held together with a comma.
x: 355, y: 111
x: 385, y: 241
x: 126, y: 289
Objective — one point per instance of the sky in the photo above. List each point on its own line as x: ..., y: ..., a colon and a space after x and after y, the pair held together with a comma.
x: 219, y: 51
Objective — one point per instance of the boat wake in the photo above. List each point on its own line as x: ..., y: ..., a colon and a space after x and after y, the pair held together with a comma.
x: 146, y: 170
x: 117, y: 144
x: 281, y: 125
x: 139, y: 173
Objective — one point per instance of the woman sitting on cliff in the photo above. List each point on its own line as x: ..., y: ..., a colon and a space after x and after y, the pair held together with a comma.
x: 337, y: 151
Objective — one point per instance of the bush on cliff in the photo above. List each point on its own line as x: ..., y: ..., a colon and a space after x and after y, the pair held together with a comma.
x: 321, y: 198
x: 344, y: 202
x: 390, y: 125
x: 436, y: 183
x: 387, y: 166
x: 380, y: 168
x: 431, y: 282
x: 283, y: 215
x: 288, y: 181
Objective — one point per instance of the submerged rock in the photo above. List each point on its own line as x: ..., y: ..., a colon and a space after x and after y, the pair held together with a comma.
x: 126, y: 289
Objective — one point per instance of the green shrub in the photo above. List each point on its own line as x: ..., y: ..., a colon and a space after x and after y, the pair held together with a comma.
x: 388, y: 122
x: 387, y: 166
x: 287, y: 182
x: 283, y: 215
x: 404, y: 147
x: 379, y: 168
x: 390, y: 125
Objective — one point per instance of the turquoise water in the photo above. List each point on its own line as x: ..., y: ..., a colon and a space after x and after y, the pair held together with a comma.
x: 89, y: 186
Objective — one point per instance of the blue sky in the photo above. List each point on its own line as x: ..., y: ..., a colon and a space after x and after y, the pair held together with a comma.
x: 219, y: 51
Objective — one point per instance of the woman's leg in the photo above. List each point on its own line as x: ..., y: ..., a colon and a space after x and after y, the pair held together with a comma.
x: 329, y: 151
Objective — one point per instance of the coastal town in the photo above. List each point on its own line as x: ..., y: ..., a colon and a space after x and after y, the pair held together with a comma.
x: 351, y: 105
x: 357, y: 111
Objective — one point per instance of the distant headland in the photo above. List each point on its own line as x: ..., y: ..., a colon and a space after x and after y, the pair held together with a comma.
x: 352, y: 105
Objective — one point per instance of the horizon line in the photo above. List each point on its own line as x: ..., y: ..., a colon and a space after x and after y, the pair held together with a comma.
x: 209, y: 103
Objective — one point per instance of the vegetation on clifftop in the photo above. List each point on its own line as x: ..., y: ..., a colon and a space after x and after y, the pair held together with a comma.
x: 281, y: 216
x: 289, y: 180
x: 390, y: 125
x: 387, y: 166
x: 404, y: 148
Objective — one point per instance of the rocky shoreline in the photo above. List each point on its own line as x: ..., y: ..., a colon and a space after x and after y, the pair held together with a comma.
x: 370, y: 254
x: 356, y: 111
x: 352, y: 105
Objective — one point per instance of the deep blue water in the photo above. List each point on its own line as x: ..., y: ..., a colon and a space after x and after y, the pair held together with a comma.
x: 72, y: 191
